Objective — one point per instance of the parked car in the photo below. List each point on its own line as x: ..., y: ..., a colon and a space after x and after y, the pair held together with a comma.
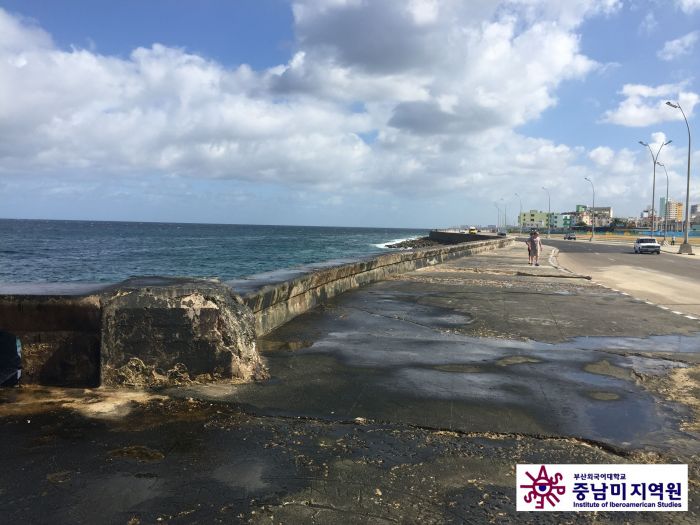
x: 472, y: 230
x: 502, y: 234
x: 570, y: 237
x: 647, y: 245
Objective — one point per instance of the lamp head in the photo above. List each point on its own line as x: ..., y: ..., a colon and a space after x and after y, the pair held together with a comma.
x: 672, y: 104
x: 643, y: 143
x: 667, y: 143
x: 659, y: 163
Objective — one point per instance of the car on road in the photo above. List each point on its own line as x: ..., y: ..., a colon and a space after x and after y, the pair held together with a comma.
x: 570, y: 237
x: 472, y: 230
x: 647, y: 245
x: 502, y: 234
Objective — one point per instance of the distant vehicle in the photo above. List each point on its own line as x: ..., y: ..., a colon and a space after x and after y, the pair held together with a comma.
x: 502, y: 234
x: 472, y: 230
x: 570, y: 237
x: 647, y: 245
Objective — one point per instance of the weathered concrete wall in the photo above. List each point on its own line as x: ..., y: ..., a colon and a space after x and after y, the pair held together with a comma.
x: 60, y: 337
x: 177, y: 331
x: 139, y: 333
x: 275, y: 303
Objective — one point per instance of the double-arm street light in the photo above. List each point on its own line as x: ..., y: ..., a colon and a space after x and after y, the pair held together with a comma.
x: 685, y: 247
x: 498, y: 219
x: 592, y: 211
x: 549, y: 212
x: 654, y: 159
x: 666, y: 201
x: 520, y: 217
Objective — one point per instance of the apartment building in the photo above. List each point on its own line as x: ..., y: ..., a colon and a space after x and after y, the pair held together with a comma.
x: 533, y: 219
x: 673, y: 210
x: 584, y: 214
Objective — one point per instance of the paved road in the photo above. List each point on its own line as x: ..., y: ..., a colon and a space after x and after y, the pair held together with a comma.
x: 668, y: 279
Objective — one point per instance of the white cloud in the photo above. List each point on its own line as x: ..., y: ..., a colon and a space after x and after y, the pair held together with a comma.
x: 688, y: 6
x: 680, y: 46
x: 648, y: 24
x: 439, y: 87
x: 645, y: 105
x: 602, y: 155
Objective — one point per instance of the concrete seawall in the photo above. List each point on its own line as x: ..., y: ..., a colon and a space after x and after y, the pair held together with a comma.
x: 276, y: 299
x: 161, y: 331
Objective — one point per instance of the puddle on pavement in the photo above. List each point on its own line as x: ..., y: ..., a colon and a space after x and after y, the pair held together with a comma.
x: 105, y: 498
x: 414, y: 310
x: 654, y: 343
x: 247, y: 475
x: 582, y: 387
x: 516, y: 360
x: 459, y: 369
x: 604, y: 396
x: 604, y: 367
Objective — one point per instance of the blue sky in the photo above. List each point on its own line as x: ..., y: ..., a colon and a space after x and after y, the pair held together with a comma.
x: 406, y: 113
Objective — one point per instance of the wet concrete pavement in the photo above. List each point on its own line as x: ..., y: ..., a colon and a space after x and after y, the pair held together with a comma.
x: 409, y: 400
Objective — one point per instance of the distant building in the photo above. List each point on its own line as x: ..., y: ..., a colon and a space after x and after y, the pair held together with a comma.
x: 584, y: 214
x: 563, y: 220
x: 672, y: 210
x: 603, y: 215
x: 533, y: 219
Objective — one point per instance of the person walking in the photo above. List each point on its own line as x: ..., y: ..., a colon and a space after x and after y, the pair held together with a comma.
x: 529, y: 249
x: 535, y: 248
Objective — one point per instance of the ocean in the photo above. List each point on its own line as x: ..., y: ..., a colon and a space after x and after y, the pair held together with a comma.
x: 34, y: 251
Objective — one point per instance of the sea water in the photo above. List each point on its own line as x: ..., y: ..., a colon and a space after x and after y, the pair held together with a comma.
x: 104, y: 252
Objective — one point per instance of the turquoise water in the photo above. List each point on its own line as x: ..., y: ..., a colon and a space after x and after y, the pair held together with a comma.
x: 81, y: 251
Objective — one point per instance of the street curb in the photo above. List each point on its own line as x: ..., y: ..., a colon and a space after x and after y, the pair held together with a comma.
x: 554, y: 262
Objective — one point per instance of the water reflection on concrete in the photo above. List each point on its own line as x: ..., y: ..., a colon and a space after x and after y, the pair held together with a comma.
x: 585, y: 387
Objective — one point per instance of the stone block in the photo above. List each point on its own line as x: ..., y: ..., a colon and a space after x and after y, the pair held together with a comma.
x: 176, y: 332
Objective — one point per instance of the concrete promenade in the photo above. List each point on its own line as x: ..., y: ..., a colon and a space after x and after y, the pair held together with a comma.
x: 408, y: 400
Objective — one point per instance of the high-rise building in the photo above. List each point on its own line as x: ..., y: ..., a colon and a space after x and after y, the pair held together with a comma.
x: 671, y: 210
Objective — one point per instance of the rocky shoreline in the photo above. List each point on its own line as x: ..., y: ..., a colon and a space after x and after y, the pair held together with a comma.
x: 421, y: 242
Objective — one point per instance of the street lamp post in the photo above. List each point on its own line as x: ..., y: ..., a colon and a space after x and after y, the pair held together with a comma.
x: 685, y: 247
x: 498, y: 217
x: 520, y: 217
x: 654, y: 158
x: 549, y: 212
x: 666, y: 206
x: 592, y: 211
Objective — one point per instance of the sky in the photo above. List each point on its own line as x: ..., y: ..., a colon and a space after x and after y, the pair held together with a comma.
x: 392, y: 113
